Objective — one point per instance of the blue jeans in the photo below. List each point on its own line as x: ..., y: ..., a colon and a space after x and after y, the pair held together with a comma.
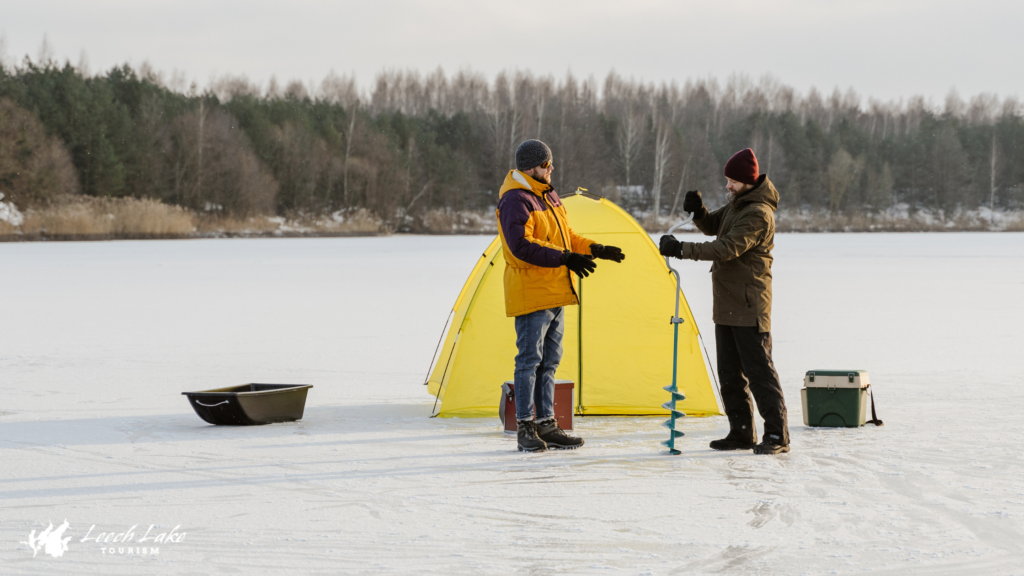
x: 539, y: 340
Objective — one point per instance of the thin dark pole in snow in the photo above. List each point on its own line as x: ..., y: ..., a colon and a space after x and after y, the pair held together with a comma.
x: 444, y: 331
x: 579, y: 350
x: 710, y: 367
x: 440, y: 383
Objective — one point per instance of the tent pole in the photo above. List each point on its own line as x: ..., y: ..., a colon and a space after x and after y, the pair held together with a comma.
x: 579, y: 349
x: 712, y: 370
x: 440, y: 383
x: 438, y: 347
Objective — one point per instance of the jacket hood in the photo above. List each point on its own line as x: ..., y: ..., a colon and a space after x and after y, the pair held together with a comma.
x: 764, y: 192
x: 516, y: 180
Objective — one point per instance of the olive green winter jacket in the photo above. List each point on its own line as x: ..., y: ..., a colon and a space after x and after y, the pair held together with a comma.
x: 741, y: 276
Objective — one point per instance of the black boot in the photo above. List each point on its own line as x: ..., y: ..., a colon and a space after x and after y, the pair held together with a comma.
x: 768, y: 447
x: 528, y: 439
x: 733, y: 442
x: 555, y: 437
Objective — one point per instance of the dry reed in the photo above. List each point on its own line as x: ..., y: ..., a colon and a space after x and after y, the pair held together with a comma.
x: 86, y: 217
x: 443, y: 221
x: 360, y: 221
x: 213, y: 224
x: 341, y: 223
x: 146, y: 217
x: 8, y: 229
x: 1015, y: 225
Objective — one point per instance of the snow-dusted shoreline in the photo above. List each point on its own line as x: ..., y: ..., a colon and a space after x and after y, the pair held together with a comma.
x: 362, y: 223
x: 101, y: 338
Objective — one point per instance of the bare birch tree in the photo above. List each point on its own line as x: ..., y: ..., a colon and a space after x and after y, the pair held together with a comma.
x: 661, y: 160
x: 992, y: 180
x: 842, y: 171
x: 342, y: 90
x: 629, y: 138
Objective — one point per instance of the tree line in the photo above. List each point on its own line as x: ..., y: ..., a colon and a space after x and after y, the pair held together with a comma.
x: 412, y: 143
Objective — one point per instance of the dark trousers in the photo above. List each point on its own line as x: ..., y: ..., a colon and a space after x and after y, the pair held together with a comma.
x: 745, y: 366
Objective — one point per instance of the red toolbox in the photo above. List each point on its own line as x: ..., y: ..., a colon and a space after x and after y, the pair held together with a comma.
x: 563, y: 405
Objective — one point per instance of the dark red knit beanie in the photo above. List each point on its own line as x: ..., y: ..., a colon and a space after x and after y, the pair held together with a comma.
x: 742, y: 167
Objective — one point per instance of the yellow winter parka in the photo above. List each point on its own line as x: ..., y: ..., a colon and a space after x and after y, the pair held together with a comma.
x: 535, y: 233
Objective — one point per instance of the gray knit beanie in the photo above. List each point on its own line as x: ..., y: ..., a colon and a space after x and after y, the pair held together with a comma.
x: 532, y: 153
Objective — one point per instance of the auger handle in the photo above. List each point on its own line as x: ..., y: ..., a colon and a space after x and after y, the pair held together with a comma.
x: 681, y: 224
x: 676, y: 319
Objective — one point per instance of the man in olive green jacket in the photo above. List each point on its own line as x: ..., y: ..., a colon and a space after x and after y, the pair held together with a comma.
x: 741, y: 279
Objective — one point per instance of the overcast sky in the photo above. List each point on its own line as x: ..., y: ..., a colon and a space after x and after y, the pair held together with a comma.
x: 888, y: 49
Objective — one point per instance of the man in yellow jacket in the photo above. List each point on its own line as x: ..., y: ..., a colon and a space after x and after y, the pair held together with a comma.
x: 540, y: 250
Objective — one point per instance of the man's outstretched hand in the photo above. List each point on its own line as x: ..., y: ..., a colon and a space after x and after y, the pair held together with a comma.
x: 612, y: 253
x: 580, y: 264
x: 669, y: 246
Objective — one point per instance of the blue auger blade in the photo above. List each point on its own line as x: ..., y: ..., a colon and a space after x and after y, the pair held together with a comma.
x: 671, y: 388
x: 675, y: 433
x: 674, y: 413
x: 678, y: 396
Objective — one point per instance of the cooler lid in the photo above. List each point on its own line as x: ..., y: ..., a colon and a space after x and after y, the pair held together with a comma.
x: 836, y: 379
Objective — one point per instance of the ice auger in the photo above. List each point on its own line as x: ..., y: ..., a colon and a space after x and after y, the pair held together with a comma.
x: 674, y: 390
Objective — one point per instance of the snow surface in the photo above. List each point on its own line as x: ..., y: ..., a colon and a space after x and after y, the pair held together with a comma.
x: 99, y: 340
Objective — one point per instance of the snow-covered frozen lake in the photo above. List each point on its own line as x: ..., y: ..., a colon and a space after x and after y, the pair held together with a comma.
x: 98, y: 340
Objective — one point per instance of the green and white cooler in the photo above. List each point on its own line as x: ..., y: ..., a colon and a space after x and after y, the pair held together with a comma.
x: 836, y: 398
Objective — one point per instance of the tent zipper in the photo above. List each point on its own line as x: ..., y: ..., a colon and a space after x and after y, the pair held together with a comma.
x: 565, y: 243
x: 579, y: 301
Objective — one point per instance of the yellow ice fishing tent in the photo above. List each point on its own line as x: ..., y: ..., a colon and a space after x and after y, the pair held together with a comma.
x: 622, y: 328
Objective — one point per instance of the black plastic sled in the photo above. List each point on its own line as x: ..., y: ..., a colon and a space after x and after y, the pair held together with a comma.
x: 250, y: 403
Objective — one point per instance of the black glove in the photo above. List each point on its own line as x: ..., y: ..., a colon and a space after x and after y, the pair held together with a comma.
x: 669, y: 246
x: 693, y: 204
x: 580, y: 264
x: 612, y: 253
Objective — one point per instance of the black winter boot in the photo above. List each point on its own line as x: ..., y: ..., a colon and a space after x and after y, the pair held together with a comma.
x: 555, y: 437
x: 526, y: 435
x: 767, y: 447
x: 733, y: 442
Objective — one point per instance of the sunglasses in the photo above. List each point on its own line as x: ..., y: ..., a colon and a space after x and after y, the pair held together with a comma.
x: 547, y: 164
